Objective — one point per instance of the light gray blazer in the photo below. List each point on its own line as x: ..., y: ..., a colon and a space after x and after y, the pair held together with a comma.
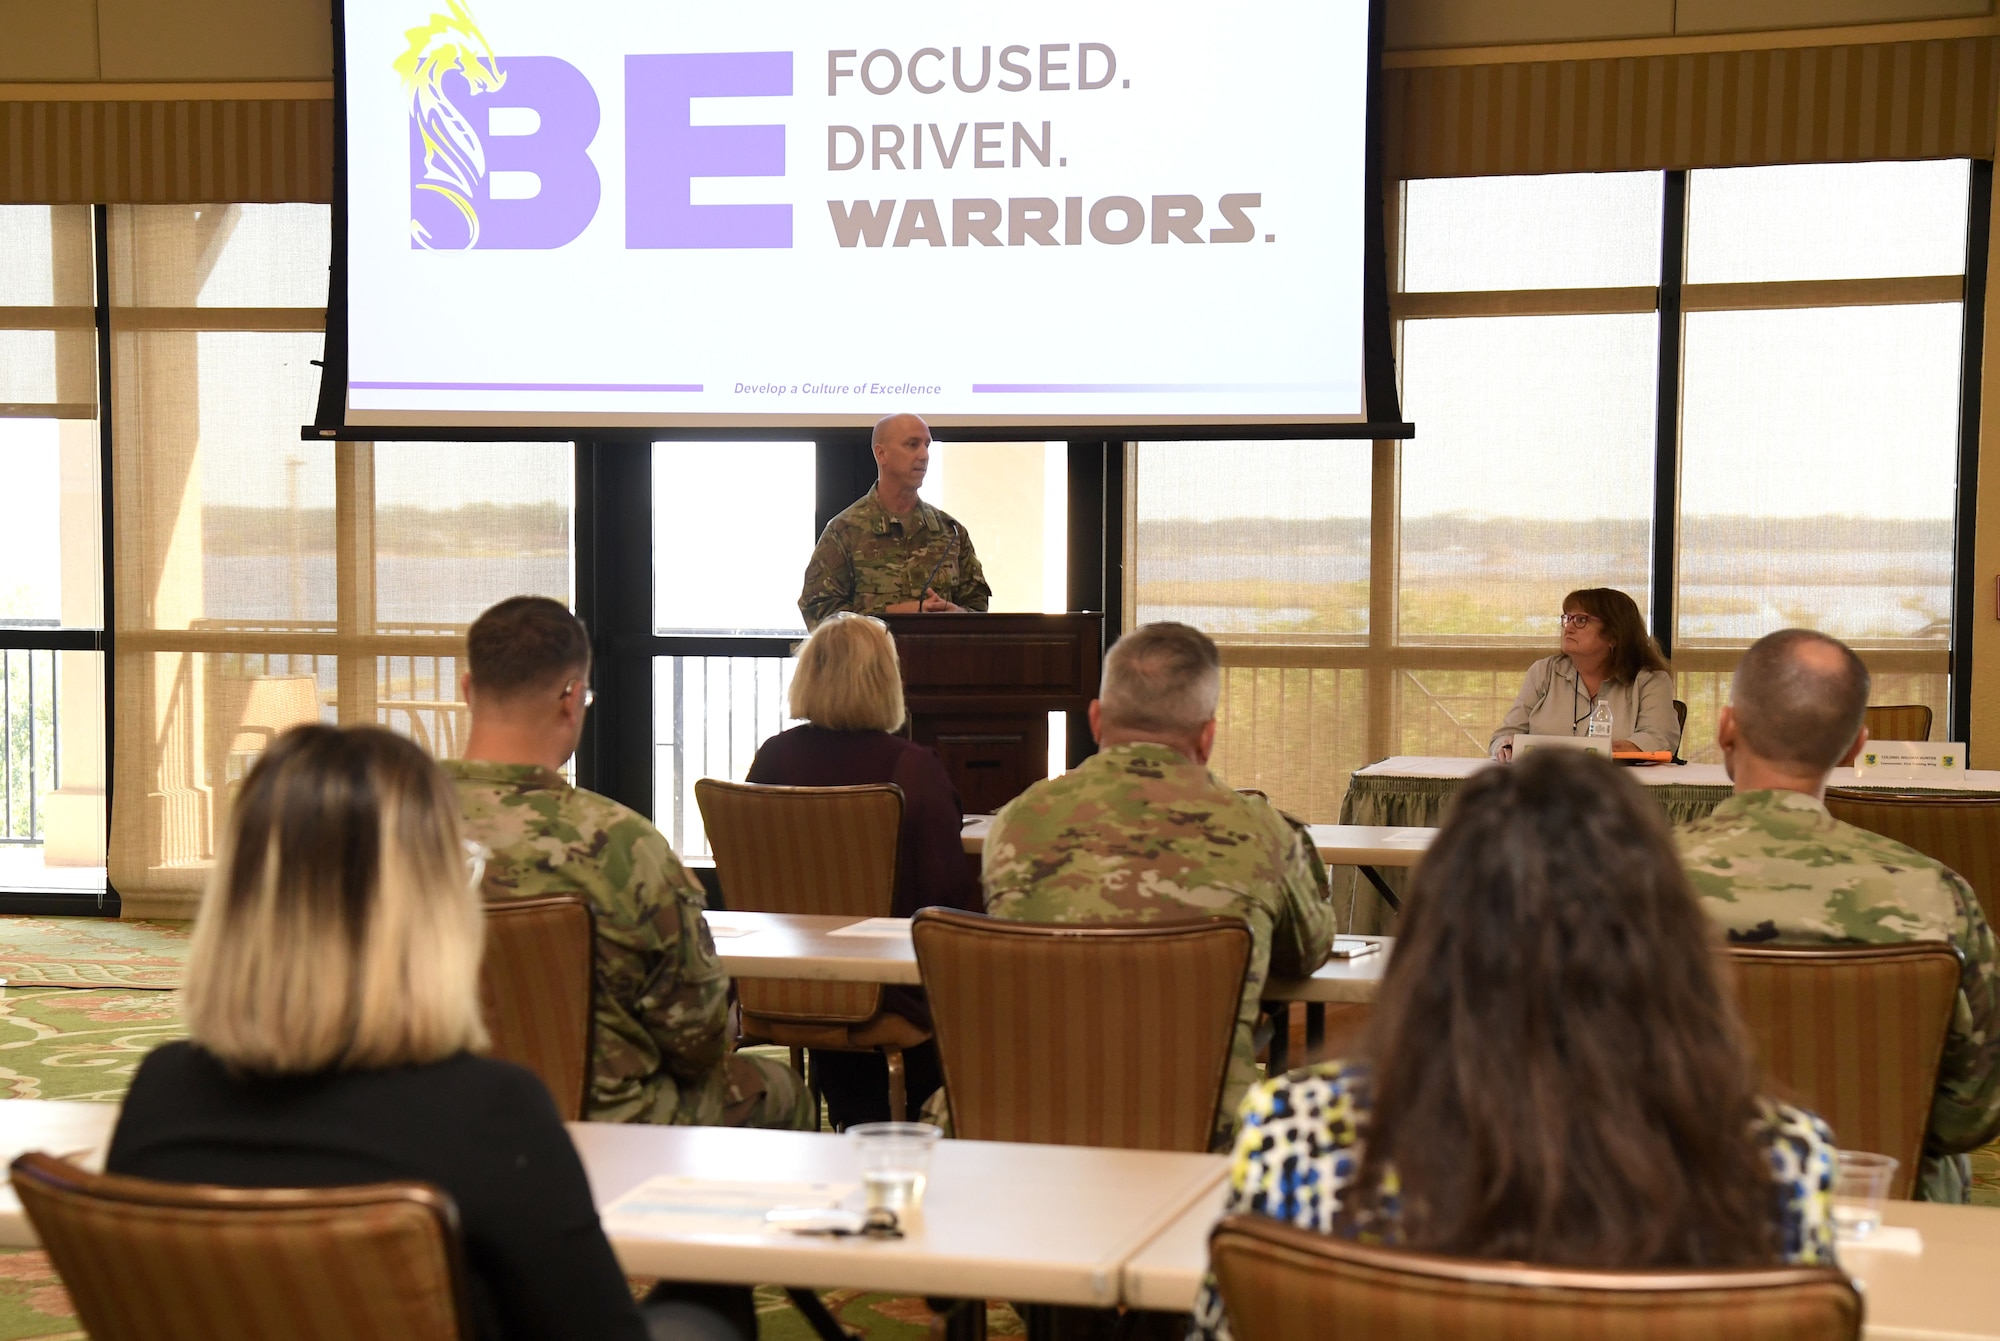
x: 1552, y: 701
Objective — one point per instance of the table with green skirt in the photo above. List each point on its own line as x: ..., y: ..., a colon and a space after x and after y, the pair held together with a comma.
x: 1413, y: 791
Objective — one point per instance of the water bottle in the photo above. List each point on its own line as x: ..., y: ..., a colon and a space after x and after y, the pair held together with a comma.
x: 1600, y: 719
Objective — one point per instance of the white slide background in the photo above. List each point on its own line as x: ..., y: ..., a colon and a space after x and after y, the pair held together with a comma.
x: 1266, y: 98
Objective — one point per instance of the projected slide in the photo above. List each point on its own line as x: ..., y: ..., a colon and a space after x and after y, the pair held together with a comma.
x: 1050, y: 212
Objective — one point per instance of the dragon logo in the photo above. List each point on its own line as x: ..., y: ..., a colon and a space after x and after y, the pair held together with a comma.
x: 454, y: 166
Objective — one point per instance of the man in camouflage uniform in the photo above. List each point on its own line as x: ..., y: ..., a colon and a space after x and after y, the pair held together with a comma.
x: 891, y: 553
x: 661, y: 1050
x: 1143, y: 831
x: 1771, y: 865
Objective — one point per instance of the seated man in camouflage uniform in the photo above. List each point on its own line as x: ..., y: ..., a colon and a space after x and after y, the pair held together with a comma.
x: 662, y: 1049
x: 1771, y: 865
x: 891, y: 553
x: 1144, y: 831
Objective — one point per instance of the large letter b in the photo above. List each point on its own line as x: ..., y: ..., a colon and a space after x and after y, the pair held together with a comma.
x: 664, y: 150
x: 563, y: 206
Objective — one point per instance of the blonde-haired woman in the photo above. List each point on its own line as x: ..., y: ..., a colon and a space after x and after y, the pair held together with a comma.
x: 848, y: 689
x: 333, y: 1010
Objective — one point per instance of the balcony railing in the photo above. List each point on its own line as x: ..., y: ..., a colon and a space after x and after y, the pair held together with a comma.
x: 30, y: 741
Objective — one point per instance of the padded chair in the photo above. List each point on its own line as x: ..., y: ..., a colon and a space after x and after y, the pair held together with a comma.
x: 147, y: 1261
x: 1283, y: 1283
x: 1898, y: 721
x: 1963, y: 832
x: 536, y: 989
x: 1064, y: 1034
x: 1855, y: 1033
x: 1681, y: 716
x: 829, y: 850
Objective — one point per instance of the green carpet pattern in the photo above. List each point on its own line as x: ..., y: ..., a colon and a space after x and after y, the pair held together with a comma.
x: 85, y: 1044
x: 92, y: 952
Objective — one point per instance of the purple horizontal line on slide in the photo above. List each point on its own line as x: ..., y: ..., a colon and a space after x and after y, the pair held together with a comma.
x: 525, y: 386
x: 1097, y: 388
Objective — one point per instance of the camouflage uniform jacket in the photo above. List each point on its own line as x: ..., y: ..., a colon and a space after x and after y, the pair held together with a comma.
x: 866, y: 562
x: 662, y: 996
x: 1140, y: 832
x: 1775, y: 866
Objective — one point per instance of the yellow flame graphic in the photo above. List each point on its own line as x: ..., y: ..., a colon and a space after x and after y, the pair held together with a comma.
x: 454, y: 157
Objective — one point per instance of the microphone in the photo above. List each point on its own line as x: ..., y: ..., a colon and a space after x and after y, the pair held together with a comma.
x: 953, y: 549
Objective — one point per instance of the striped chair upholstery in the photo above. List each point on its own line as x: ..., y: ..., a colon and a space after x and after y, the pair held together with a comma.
x: 536, y: 984
x: 1855, y: 1033
x: 1898, y: 721
x: 1112, y: 1035
x: 827, y: 850
x: 1963, y: 832
x: 147, y: 1261
x: 1282, y: 1283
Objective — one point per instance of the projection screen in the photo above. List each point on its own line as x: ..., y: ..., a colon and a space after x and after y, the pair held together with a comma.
x: 1053, y: 212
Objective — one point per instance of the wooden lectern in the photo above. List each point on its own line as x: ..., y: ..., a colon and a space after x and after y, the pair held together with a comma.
x: 980, y: 689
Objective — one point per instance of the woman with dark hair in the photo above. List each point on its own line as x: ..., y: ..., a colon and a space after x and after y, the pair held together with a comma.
x: 1553, y: 1072
x: 1606, y: 656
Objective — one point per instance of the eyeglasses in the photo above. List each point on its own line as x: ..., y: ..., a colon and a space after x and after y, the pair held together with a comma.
x: 589, y: 694
x: 476, y: 856
x: 1575, y: 619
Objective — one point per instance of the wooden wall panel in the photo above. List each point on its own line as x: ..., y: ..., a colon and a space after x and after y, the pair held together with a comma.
x: 1824, y: 104
x: 166, y: 152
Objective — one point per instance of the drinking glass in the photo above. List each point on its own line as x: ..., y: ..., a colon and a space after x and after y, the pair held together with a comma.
x: 895, y: 1162
x: 1860, y: 1185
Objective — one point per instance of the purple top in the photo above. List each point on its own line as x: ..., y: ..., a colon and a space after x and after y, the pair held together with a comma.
x: 931, y: 866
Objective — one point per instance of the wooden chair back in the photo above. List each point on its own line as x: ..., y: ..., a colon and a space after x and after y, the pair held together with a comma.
x: 1898, y: 721
x: 1855, y: 1033
x: 536, y: 988
x: 1963, y: 832
x: 805, y: 850
x: 1283, y: 1283
x: 147, y: 1261
x: 1113, y: 1035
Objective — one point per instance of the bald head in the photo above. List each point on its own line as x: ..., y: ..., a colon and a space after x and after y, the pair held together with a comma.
x: 895, y: 427
x: 902, y: 445
x: 1799, y: 698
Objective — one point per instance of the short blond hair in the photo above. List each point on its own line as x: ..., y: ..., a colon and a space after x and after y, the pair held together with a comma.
x: 340, y: 929
x: 848, y: 677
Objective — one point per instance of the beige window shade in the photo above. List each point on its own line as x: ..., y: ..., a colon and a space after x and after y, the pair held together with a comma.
x: 264, y: 582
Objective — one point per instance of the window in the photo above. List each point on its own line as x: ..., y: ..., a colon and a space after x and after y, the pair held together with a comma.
x: 1384, y: 603
x: 262, y: 581
x: 1820, y: 418
x: 52, y: 761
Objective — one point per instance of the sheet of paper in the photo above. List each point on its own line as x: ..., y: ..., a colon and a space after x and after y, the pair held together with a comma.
x: 676, y: 1204
x: 1350, y: 947
x: 723, y: 929
x: 893, y: 927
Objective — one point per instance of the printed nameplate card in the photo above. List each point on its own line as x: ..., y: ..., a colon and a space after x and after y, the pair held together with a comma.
x: 1910, y: 758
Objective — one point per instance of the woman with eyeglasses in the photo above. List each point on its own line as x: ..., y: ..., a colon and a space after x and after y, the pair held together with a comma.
x: 333, y: 1010
x: 1607, y: 656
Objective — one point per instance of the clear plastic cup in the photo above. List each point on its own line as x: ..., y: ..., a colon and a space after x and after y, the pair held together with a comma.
x: 895, y: 1162
x: 1860, y: 1186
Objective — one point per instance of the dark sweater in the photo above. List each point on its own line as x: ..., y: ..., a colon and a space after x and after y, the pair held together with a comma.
x: 931, y: 866
x: 484, y: 1131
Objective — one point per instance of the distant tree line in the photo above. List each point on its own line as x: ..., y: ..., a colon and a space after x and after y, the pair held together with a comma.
x: 476, y: 529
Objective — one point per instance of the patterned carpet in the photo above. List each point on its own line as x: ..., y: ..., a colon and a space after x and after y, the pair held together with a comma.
x: 92, y: 952
x: 59, y: 1043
